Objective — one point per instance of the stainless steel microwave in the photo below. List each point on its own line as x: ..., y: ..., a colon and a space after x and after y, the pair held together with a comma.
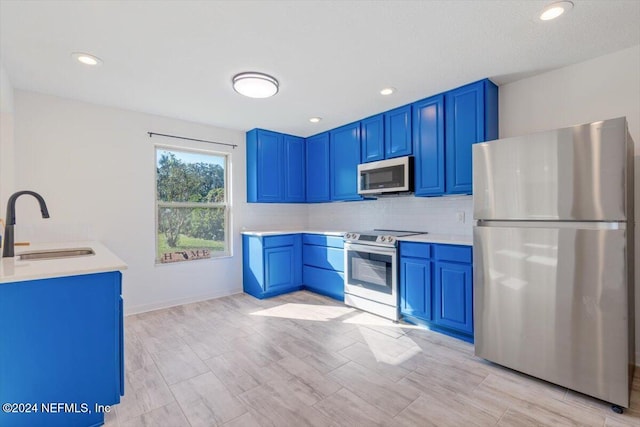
x: 386, y: 176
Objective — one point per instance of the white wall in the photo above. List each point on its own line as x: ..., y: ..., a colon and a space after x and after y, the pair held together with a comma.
x: 6, y: 139
x: 95, y: 168
x: 601, y: 88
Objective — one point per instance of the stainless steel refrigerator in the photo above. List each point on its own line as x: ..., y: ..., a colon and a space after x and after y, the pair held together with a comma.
x: 553, y: 257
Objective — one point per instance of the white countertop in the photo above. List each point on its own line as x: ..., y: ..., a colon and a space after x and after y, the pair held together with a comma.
x: 263, y: 233
x: 447, y: 239
x: 15, y: 270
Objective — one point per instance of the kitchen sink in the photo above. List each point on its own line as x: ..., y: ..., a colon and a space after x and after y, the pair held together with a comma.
x: 56, y: 253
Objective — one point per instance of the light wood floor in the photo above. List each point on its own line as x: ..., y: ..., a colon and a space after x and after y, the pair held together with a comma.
x: 302, y: 359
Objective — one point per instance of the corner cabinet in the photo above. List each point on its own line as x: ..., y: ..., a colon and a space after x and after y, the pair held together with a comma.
x: 344, y: 144
x: 275, y: 167
x: 272, y: 265
x: 61, y: 341
x: 471, y: 116
x: 318, y: 179
x: 436, y: 287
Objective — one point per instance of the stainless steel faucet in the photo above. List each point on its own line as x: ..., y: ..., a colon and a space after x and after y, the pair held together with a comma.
x: 7, y: 250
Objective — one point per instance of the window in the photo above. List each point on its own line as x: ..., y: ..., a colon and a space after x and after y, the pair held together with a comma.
x: 192, y: 209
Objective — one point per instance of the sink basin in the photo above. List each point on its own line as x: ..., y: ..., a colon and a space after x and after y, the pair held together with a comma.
x: 56, y: 253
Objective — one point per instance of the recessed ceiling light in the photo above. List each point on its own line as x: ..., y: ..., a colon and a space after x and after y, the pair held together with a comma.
x: 315, y: 119
x: 555, y: 9
x: 86, y: 58
x: 387, y: 91
x: 255, y: 85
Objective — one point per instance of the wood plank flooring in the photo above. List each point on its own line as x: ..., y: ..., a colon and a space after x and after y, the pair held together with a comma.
x: 305, y: 360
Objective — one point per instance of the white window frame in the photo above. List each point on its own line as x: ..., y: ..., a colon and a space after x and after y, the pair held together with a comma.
x: 226, y: 204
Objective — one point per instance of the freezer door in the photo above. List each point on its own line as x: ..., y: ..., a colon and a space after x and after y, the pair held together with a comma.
x: 552, y: 303
x: 575, y: 173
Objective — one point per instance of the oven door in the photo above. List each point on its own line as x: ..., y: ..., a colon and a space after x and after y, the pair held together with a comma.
x: 370, y: 272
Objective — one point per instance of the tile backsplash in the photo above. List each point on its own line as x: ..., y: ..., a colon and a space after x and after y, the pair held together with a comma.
x: 439, y: 215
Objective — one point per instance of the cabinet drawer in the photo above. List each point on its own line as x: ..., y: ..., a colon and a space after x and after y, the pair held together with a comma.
x: 326, y: 282
x: 453, y: 253
x: 415, y: 250
x: 322, y: 240
x: 280, y: 240
x: 323, y: 257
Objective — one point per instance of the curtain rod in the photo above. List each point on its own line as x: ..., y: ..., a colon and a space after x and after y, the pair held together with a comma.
x: 191, y: 139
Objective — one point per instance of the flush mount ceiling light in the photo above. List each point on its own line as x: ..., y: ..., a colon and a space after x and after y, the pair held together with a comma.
x: 255, y: 85
x: 555, y: 9
x: 86, y: 59
x: 315, y: 119
x: 387, y: 91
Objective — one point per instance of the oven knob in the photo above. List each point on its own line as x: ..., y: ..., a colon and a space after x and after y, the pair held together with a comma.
x: 390, y: 239
x: 347, y: 235
x: 382, y: 239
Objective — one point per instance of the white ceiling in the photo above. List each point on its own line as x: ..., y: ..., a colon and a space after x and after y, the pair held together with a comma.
x: 176, y: 58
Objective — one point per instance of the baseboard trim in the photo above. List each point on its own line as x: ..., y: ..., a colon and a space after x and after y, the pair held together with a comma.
x: 144, y: 308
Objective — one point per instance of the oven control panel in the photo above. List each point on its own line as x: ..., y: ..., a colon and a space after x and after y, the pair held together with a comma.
x: 356, y: 237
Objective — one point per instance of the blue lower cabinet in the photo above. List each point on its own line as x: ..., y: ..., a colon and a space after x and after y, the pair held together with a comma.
x: 454, y: 296
x: 436, y: 287
x: 323, y: 259
x: 415, y: 287
x: 323, y: 281
x: 61, y: 350
x: 272, y: 265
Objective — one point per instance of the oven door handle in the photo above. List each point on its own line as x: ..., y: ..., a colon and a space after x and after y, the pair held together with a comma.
x: 369, y: 249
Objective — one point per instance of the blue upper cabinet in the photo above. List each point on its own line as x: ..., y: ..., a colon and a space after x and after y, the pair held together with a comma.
x: 345, y: 157
x: 397, y: 132
x: 294, y: 169
x: 372, y: 138
x: 275, y: 167
x: 428, y: 141
x: 317, y: 177
x: 471, y: 116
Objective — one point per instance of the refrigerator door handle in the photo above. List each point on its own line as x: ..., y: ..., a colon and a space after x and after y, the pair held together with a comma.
x: 583, y: 225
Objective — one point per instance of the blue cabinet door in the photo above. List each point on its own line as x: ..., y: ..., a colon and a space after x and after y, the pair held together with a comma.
x: 372, y: 138
x: 428, y: 134
x: 345, y: 157
x: 279, y: 268
x: 294, y: 169
x: 453, y: 296
x: 317, y: 162
x: 397, y: 132
x: 271, y: 265
x: 265, y: 181
x: 323, y: 281
x: 415, y: 287
x: 61, y: 342
x: 471, y: 116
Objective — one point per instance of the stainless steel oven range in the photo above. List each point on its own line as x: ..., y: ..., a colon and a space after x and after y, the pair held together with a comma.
x: 371, y: 271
